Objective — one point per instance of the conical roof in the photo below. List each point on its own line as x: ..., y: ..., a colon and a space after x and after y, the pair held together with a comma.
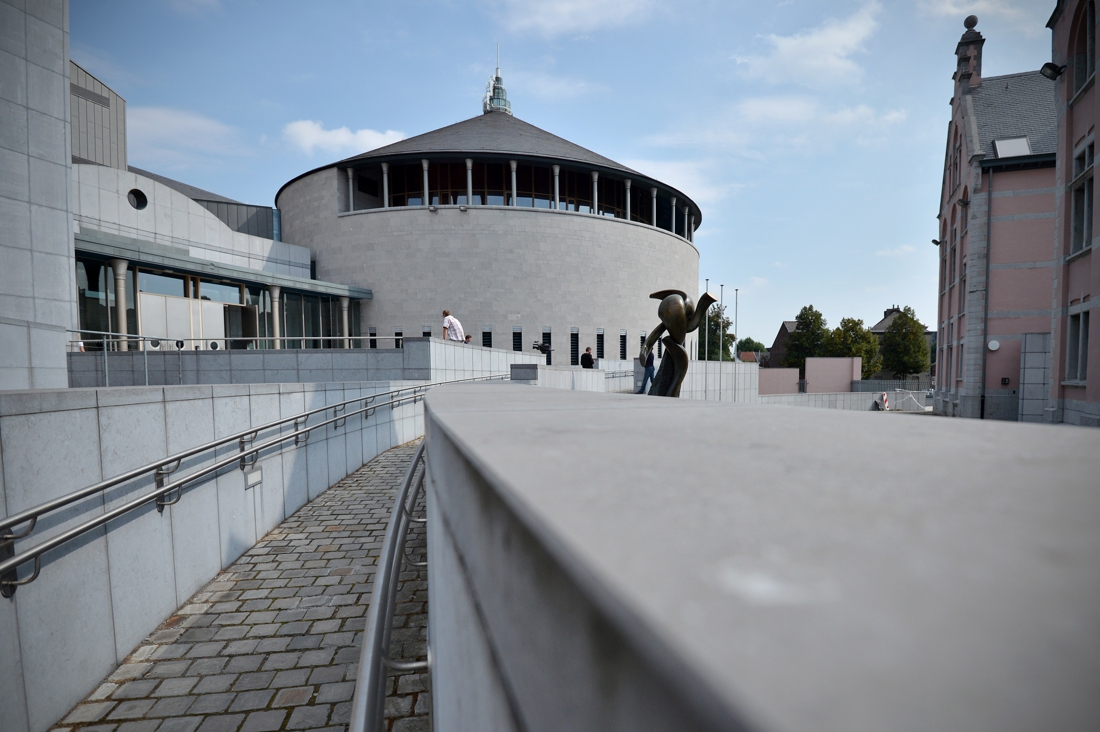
x: 494, y: 133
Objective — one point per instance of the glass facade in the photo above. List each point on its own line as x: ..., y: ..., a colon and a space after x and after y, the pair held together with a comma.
x: 492, y: 186
x: 309, y: 320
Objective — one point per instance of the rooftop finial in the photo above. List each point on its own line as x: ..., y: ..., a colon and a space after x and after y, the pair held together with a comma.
x: 496, y: 99
x: 971, y: 22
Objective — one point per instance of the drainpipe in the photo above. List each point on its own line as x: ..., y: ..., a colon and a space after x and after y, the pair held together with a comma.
x: 985, y: 313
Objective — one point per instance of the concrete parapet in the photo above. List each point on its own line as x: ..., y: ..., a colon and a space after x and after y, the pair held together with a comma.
x: 99, y: 595
x: 596, y: 564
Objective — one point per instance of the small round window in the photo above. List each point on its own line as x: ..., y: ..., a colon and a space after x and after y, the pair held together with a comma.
x: 137, y: 199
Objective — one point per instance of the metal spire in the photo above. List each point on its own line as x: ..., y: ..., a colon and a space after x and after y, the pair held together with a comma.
x: 496, y: 99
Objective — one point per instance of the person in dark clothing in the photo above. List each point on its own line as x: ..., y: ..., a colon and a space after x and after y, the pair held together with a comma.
x: 649, y: 372
x: 587, y: 361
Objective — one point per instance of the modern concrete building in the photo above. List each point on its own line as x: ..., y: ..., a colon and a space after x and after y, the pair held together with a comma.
x: 996, y: 229
x: 1073, y: 397
x: 37, y: 302
x: 525, y: 236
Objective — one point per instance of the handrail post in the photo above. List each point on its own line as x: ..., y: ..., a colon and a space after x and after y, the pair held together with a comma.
x: 106, y: 377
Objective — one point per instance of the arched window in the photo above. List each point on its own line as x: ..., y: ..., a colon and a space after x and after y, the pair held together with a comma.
x: 1084, y: 47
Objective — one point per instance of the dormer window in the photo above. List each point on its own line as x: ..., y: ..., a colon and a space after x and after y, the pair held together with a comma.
x: 1012, y: 147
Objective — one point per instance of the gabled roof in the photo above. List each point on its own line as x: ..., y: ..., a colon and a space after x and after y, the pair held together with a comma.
x: 1016, y: 105
x: 496, y: 133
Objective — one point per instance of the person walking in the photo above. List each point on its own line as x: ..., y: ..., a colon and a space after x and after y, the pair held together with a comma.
x: 649, y: 373
x: 587, y: 361
x: 452, y: 329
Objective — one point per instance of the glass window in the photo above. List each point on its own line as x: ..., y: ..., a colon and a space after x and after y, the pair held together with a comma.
x: 162, y: 284
x: 292, y: 317
x: 219, y: 292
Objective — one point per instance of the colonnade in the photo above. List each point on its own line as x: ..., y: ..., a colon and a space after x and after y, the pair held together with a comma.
x: 688, y: 217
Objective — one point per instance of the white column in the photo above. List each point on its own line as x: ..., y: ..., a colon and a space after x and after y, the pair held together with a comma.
x: 118, y: 266
x: 513, y: 164
x: 691, y: 229
x: 345, y: 331
x: 557, y: 172
x: 673, y: 215
x: 653, y: 216
x: 351, y: 189
x: 627, y: 184
x: 469, y: 182
x: 424, y: 165
x: 687, y: 235
x: 277, y: 313
x: 385, y: 185
x: 595, y: 192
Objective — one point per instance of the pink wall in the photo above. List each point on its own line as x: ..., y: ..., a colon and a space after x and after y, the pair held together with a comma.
x: 832, y: 375
x: 778, y: 381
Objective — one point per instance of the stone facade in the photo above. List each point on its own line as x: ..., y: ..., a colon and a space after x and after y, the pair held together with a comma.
x: 36, y: 242
x: 494, y: 267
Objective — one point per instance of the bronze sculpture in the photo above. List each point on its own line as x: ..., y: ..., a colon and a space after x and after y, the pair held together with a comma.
x: 679, y: 316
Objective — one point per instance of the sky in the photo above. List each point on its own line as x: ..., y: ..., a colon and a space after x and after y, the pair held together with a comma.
x: 811, y: 133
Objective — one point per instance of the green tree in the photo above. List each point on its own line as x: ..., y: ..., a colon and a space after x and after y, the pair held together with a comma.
x: 808, y: 339
x: 718, y: 327
x: 748, y: 344
x: 904, y: 349
x: 852, y: 339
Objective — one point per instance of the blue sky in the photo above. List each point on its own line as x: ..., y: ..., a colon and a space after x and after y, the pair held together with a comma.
x: 810, y: 132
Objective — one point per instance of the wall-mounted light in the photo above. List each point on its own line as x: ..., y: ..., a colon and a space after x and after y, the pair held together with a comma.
x: 962, y: 202
x: 462, y: 208
x: 936, y: 242
x: 1052, y: 70
x: 431, y: 208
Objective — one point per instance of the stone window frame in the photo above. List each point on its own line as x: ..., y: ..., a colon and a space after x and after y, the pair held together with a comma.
x: 1082, y: 197
x: 1077, y: 346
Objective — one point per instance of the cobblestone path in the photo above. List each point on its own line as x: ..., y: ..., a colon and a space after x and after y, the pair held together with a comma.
x: 272, y: 643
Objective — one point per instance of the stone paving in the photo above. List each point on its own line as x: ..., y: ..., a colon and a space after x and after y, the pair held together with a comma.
x: 273, y: 642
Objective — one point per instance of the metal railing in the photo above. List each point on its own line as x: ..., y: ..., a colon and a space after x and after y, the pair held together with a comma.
x: 247, y: 455
x: 369, y: 702
x: 105, y: 340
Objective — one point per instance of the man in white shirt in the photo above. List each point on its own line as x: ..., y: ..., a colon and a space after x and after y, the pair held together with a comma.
x: 452, y: 329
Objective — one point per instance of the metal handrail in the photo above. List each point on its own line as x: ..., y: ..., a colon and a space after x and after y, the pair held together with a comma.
x: 34, y: 513
x: 10, y: 564
x: 369, y: 701
x: 114, y: 337
x: 618, y: 374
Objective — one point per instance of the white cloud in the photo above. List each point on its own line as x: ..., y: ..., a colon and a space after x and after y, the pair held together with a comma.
x: 818, y: 56
x: 785, y: 123
x: 308, y: 135
x: 178, y: 139
x: 548, y: 86
x: 557, y: 17
x: 1029, y: 15
x: 703, y: 181
x: 899, y: 251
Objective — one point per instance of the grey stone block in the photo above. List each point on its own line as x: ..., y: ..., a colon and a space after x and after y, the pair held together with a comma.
x: 13, y: 78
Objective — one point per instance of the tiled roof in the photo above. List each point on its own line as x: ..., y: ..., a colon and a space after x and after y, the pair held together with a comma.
x: 495, y: 132
x: 1016, y: 105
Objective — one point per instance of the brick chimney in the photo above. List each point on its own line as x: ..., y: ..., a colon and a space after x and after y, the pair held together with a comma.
x: 968, y: 72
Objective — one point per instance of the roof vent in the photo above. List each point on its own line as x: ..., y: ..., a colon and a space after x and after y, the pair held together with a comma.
x: 496, y: 99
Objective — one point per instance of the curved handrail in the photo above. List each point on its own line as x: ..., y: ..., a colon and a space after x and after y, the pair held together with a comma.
x: 12, y: 563
x: 368, y: 703
x: 32, y: 514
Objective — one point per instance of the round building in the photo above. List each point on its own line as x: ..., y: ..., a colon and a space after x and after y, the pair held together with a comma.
x: 524, y: 236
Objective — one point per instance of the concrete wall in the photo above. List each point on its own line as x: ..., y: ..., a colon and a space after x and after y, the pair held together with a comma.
x: 778, y: 381
x: 832, y: 375
x: 595, y: 564
x: 493, y: 267
x: 572, y: 378
x: 37, y: 301
x: 846, y: 401
x: 97, y: 597
x: 174, y: 220
x: 420, y: 359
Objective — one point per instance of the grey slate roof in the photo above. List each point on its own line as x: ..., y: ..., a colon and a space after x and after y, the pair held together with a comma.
x: 496, y: 133
x: 197, y: 194
x: 1016, y: 105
